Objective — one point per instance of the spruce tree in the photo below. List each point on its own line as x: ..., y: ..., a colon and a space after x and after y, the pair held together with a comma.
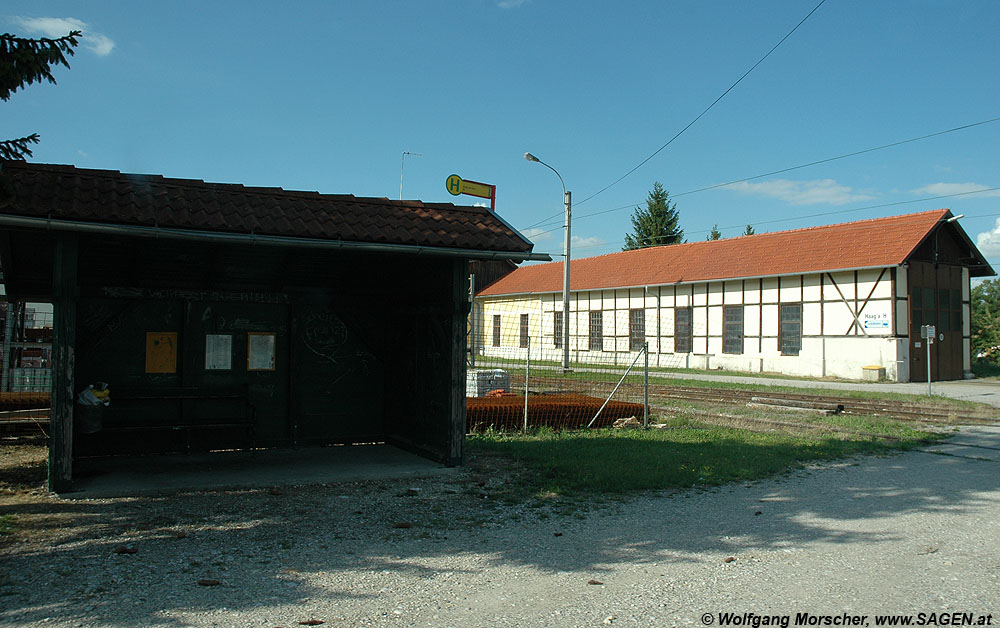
x: 749, y: 230
x: 714, y: 234
x: 23, y: 62
x: 656, y: 224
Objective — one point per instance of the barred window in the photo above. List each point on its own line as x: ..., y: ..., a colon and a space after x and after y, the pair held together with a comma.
x: 682, y: 330
x: 636, y: 329
x: 496, y: 330
x: 790, y: 329
x: 557, y: 330
x: 732, y: 333
x: 524, y: 330
x: 596, y: 331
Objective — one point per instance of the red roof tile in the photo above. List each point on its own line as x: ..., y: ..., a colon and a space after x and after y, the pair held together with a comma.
x: 873, y: 243
x: 108, y: 196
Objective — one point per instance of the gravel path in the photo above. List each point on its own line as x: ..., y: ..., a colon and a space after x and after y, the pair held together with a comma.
x: 916, y: 532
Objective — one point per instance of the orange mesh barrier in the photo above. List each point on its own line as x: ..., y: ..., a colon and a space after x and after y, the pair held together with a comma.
x: 568, y: 411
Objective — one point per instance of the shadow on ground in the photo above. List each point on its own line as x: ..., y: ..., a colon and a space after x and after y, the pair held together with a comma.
x: 270, y: 546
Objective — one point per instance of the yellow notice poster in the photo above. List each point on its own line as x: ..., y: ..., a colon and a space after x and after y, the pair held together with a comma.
x: 161, y: 351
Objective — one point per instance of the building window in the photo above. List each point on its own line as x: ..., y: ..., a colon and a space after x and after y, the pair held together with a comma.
x: 732, y: 331
x: 524, y: 330
x: 790, y: 329
x: 557, y: 330
x: 682, y: 330
x: 496, y: 330
x: 636, y: 329
x: 596, y: 331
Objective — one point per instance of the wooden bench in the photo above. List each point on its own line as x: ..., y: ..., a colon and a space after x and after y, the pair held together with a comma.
x: 238, y: 412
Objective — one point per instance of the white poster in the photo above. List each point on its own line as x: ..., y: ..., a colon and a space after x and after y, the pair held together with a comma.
x: 260, y: 352
x: 218, y: 352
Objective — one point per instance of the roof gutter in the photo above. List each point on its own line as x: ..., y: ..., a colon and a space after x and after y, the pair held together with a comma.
x: 269, y: 240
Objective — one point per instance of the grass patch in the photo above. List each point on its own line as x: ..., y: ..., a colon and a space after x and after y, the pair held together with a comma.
x: 6, y: 524
x: 688, y: 454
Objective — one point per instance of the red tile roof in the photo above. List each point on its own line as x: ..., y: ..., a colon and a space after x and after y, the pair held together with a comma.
x: 873, y: 243
x: 107, y: 196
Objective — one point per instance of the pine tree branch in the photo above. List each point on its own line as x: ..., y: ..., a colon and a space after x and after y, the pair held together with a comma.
x: 25, y: 61
x: 17, y: 150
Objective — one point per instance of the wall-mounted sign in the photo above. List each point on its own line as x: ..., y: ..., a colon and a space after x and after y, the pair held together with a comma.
x: 260, y: 351
x: 457, y: 185
x: 218, y: 352
x: 161, y: 351
x: 876, y: 321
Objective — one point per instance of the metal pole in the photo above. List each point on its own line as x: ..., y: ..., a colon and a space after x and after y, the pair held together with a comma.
x: 568, y: 199
x: 527, y: 367
x: 472, y: 321
x: 645, y: 406
x: 928, y: 342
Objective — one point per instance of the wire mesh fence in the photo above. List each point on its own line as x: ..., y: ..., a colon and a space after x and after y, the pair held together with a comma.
x: 26, y: 347
x: 519, y: 375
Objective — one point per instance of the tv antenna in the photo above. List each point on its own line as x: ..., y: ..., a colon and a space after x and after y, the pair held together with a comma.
x: 402, y: 164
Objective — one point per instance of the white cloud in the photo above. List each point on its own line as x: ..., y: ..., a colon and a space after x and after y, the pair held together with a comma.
x: 988, y: 242
x: 55, y: 27
x: 537, y: 234
x: 579, y: 242
x: 510, y: 4
x: 803, y: 192
x: 944, y: 189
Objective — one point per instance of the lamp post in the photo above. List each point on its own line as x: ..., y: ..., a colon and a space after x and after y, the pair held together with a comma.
x: 567, y: 200
x: 938, y: 230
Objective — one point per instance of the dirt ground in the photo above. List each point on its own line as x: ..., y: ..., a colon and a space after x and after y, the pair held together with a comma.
x: 904, y: 534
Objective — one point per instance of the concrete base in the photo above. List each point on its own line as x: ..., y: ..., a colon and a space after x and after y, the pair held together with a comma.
x: 127, y: 476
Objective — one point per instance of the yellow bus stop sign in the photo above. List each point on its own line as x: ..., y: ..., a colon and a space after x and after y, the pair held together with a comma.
x: 457, y: 185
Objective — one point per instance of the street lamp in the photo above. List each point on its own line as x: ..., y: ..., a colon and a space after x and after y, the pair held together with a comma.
x: 567, y: 200
x: 938, y: 230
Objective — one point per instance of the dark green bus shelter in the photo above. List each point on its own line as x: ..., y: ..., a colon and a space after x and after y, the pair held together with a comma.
x: 224, y: 316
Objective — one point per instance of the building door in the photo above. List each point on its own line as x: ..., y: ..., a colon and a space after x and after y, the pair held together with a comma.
x: 935, y: 298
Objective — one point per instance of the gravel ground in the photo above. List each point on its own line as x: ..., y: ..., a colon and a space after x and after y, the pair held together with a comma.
x: 909, y: 533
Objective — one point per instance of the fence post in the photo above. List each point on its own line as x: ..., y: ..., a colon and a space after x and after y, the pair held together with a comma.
x: 527, y: 368
x: 645, y: 405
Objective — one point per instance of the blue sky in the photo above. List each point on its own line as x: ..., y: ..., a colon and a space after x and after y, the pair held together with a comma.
x: 328, y: 95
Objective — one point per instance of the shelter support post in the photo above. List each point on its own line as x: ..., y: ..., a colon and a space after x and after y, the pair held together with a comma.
x: 459, y: 320
x: 64, y: 287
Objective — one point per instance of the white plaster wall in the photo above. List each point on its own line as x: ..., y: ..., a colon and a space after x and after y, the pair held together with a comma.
x: 811, y: 290
x: 846, y: 356
x: 811, y: 321
x: 791, y: 290
x: 733, y: 292
x: 751, y: 320
x: 715, y: 291
x: 769, y: 293
x: 622, y: 300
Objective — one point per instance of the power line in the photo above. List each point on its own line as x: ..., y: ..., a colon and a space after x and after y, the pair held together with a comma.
x: 707, y: 109
x: 788, y: 169
x: 844, y: 156
x: 779, y: 171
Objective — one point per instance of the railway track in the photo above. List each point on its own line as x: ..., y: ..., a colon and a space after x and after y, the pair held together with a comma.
x: 660, y: 393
